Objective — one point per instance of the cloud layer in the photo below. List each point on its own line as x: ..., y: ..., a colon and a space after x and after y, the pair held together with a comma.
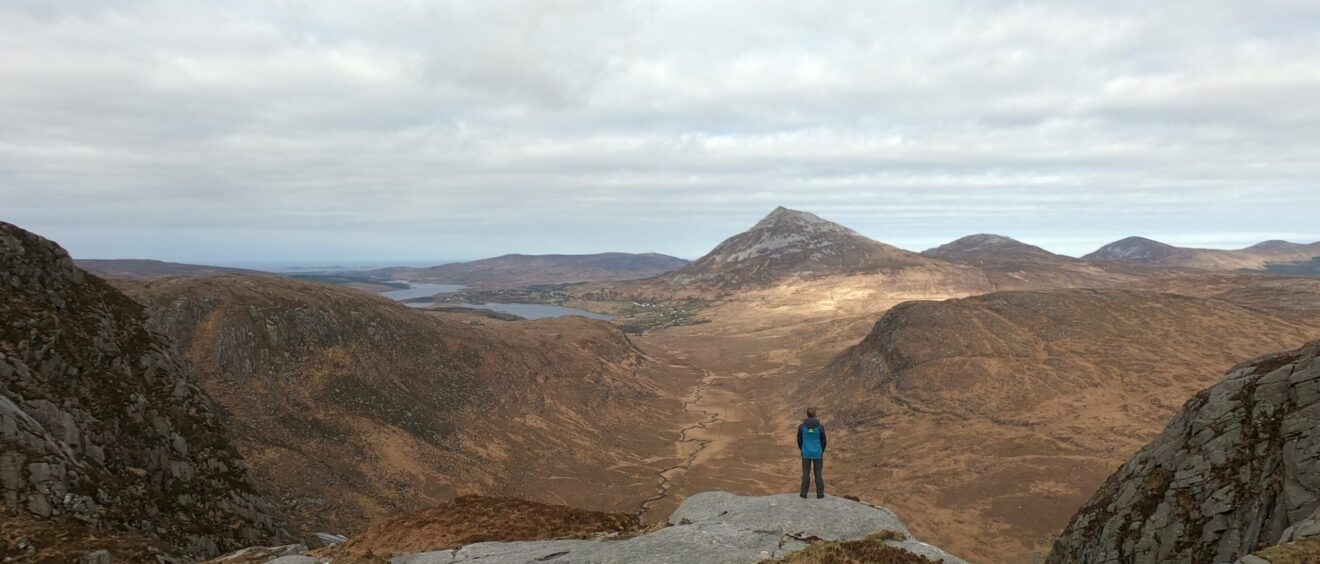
x: 248, y: 131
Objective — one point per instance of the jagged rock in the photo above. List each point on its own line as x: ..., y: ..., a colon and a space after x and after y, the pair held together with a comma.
x: 78, y: 371
x: 708, y: 527
x: 1237, y: 471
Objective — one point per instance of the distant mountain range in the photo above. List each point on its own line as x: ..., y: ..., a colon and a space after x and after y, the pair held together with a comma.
x: 520, y: 270
x: 1012, y: 264
x: 789, y: 244
x: 1268, y: 255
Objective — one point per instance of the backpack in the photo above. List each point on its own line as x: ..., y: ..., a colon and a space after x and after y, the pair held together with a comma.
x: 811, y: 447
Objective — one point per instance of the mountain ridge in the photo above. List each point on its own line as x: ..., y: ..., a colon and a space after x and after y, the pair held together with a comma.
x: 142, y: 269
x: 1261, y: 256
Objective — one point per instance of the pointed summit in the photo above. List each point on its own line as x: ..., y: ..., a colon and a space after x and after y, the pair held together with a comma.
x: 792, y: 244
x: 784, y: 218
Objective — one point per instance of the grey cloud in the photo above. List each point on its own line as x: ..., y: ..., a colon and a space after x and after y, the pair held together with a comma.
x: 463, y: 129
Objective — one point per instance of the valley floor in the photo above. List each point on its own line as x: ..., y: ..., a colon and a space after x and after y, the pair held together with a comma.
x: 985, y: 489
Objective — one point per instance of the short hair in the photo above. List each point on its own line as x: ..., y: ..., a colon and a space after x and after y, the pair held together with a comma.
x: 811, y: 412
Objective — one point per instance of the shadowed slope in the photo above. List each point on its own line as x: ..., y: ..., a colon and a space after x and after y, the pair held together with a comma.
x: 101, y: 421
x: 353, y: 406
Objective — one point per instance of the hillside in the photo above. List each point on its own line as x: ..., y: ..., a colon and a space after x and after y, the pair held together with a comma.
x: 144, y: 269
x: 987, y: 420
x: 1011, y: 264
x: 1262, y: 256
x: 514, y: 271
x: 790, y: 246
x: 1236, y: 472
x: 101, y: 424
x: 352, y: 406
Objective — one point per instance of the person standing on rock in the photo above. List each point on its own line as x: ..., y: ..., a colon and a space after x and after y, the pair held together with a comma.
x: 811, y: 443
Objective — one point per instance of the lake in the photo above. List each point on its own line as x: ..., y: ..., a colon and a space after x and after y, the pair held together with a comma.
x: 526, y: 311
x: 420, y: 290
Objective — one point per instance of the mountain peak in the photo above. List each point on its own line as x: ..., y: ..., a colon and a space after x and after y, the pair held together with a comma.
x: 1274, y: 244
x: 785, y: 218
x: 987, y: 247
x: 790, y: 243
x: 1134, y: 248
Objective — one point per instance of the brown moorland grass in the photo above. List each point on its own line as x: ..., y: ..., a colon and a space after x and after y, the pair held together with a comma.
x: 471, y: 519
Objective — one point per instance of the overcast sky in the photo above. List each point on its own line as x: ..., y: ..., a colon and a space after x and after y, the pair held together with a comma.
x: 256, y: 131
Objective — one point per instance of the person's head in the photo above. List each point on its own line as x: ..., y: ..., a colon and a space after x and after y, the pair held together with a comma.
x: 811, y: 412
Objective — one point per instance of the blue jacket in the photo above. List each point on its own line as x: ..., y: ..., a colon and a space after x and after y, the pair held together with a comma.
x: 811, y: 438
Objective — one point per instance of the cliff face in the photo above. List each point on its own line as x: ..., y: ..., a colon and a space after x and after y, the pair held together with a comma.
x: 1237, y: 471
x: 99, y: 419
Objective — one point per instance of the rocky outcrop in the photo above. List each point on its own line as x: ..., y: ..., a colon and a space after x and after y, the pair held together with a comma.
x: 99, y: 419
x: 1237, y: 471
x: 709, y: 527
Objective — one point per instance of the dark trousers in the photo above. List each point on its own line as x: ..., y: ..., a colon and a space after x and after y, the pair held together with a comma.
x: 809, y: 466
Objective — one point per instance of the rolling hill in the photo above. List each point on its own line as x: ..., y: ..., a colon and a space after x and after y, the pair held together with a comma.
x: 990, y: 418
x: 1013, y: 265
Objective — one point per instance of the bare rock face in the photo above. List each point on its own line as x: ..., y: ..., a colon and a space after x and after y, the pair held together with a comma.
x: 99, y: 419
x: 715, y: 527
x: 1235, y: 473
